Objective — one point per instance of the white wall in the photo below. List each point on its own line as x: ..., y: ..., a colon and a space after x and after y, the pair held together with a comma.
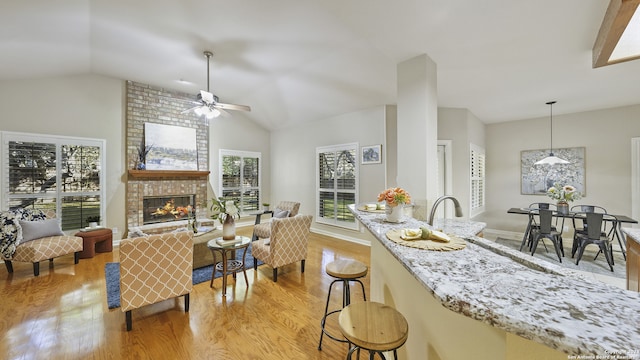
x: 293, y: 170
x: 84, y: 106
x: 236, y: 132
x: 462, y: 128
x: 606, y: 134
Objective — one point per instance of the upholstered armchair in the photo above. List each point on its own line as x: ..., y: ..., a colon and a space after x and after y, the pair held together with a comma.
x: 155, y: 268
x: 284, y: 209
x: 288, y: 243
x: 31, y: 235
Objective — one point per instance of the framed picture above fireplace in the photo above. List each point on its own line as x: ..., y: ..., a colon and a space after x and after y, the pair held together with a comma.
x: 172, y: 147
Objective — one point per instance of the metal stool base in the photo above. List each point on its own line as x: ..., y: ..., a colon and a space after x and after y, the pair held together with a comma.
x: 346, y: 300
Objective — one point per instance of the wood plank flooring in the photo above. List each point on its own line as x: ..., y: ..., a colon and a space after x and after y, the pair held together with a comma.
x: 63, y: 314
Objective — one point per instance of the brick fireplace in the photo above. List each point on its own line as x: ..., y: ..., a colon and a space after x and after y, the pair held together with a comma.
x: 146, y: 103
x: 139, y: 189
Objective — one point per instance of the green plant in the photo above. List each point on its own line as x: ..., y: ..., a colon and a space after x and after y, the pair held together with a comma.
x: 265, y: 204
x: 93, y: 218
x: 221, y: 208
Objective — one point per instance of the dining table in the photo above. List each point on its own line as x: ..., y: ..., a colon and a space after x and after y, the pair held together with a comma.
x: 616, y: 220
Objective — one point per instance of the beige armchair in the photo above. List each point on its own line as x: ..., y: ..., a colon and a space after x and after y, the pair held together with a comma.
x: 31, y: 235
x: 288, y: 243
x: 155, y: 268
x: 263, y: 229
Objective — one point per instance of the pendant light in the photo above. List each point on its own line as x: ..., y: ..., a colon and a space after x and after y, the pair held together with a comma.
x: 551, y: 159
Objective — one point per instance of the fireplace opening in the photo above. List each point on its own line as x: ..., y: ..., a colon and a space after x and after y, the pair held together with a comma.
x: 161, y: 209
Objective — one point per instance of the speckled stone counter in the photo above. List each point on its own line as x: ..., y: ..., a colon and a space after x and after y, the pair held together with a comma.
x: 518, y: 293
x: 633, y: 258
x: 632, y: 233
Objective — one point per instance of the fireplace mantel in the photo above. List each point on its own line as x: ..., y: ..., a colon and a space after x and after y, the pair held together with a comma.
x: 151, y: 174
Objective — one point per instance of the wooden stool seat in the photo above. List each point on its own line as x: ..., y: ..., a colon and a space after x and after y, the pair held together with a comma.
x: 345, y: 272
x: 346, y: 269
x: 373, y: 326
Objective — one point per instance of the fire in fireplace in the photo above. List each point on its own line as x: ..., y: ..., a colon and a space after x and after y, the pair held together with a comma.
x: 160, y: 209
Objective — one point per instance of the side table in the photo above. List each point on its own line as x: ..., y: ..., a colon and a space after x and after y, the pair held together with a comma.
x: 229, y: 266
x: 95, y: 240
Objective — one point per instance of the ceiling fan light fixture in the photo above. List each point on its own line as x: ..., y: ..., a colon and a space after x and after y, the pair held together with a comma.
x: 213, y: 113
x: 551, y: 159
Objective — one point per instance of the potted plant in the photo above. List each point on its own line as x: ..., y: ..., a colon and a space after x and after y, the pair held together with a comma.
x: 93, y: 220
x: 265, y: 206
x: 225, y: 210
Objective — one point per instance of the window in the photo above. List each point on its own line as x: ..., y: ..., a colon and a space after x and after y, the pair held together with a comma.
x: 477, y: 180
x: 337, y: 184
x: 62, y: 174
x: 240, y: 178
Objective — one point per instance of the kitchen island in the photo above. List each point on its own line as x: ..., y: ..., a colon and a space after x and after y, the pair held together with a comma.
x: 633, y: 258
x: 487, y: 301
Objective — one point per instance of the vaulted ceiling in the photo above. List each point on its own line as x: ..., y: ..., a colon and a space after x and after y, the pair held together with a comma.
x: 294, y: 61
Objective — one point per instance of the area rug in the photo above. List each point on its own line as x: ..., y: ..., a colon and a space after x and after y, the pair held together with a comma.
x: 200, y: 275
x: 587, y: 262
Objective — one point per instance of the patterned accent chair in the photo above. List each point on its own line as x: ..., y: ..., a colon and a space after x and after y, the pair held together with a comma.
x: 288, y: 243
x: 263, y: 230
x: 42, y: 239
x: 155, y: 268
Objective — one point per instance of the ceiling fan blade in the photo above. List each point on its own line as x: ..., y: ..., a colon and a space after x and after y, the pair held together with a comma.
x: 232, y: 107
x: 207, y: 97
x: 190, y: 109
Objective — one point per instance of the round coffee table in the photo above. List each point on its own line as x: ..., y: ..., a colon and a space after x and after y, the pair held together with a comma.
x: 229, y: 266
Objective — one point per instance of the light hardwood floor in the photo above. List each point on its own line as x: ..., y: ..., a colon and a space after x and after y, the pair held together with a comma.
x: 63, y: 314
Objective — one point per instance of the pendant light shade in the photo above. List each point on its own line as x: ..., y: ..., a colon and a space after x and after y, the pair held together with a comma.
x: 551, y: 159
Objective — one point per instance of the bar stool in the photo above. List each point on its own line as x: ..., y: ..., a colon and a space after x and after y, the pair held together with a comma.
x: 344, y: 271
x: 373, y: 326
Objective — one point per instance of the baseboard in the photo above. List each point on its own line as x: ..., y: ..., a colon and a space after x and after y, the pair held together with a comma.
x: 492, y: 234
x: 341, y: 237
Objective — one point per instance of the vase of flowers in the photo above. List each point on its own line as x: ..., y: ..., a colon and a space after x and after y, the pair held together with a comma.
x: 225, y: 211
x: 563, y: 196
x: 395, y: 200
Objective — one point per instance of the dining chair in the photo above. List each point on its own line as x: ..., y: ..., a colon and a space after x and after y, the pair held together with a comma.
x: 596, y: 234
x: 579, y: 222
x: 545, y: 230
x: 533, y: 223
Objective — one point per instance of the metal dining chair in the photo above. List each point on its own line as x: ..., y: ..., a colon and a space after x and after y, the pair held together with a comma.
x: 533, y: 224
x: 546, y: 230
x: 596, y: 234
x: 579, y: 222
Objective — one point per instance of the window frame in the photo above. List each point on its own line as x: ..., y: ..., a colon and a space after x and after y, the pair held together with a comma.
x: 242, y: 154
x: 59, y: 195
x: 477, y: 176
x: 335, y: 221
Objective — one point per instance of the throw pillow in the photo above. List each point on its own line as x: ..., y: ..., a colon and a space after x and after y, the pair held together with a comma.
x: 279, y: 214
x: 9, y: 232
x: 32, y: 230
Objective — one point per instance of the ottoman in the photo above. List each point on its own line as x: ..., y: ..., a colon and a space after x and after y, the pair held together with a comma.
x: 99, y: 240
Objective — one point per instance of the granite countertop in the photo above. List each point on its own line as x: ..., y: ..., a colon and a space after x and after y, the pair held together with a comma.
x: 632, y: 233
x: 518, y: 293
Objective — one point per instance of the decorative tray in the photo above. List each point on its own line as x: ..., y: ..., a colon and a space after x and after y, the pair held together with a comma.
x: 455, y: 243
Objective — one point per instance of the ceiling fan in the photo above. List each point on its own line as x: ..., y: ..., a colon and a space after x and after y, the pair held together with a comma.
x: 208, y: 104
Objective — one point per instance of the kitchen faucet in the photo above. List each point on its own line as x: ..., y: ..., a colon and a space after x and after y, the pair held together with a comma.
x: 441, y: 199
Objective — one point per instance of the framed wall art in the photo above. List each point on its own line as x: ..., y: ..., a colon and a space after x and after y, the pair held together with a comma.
x: 372, y: 154
x: 536, y: 179
x: 170, y: 147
